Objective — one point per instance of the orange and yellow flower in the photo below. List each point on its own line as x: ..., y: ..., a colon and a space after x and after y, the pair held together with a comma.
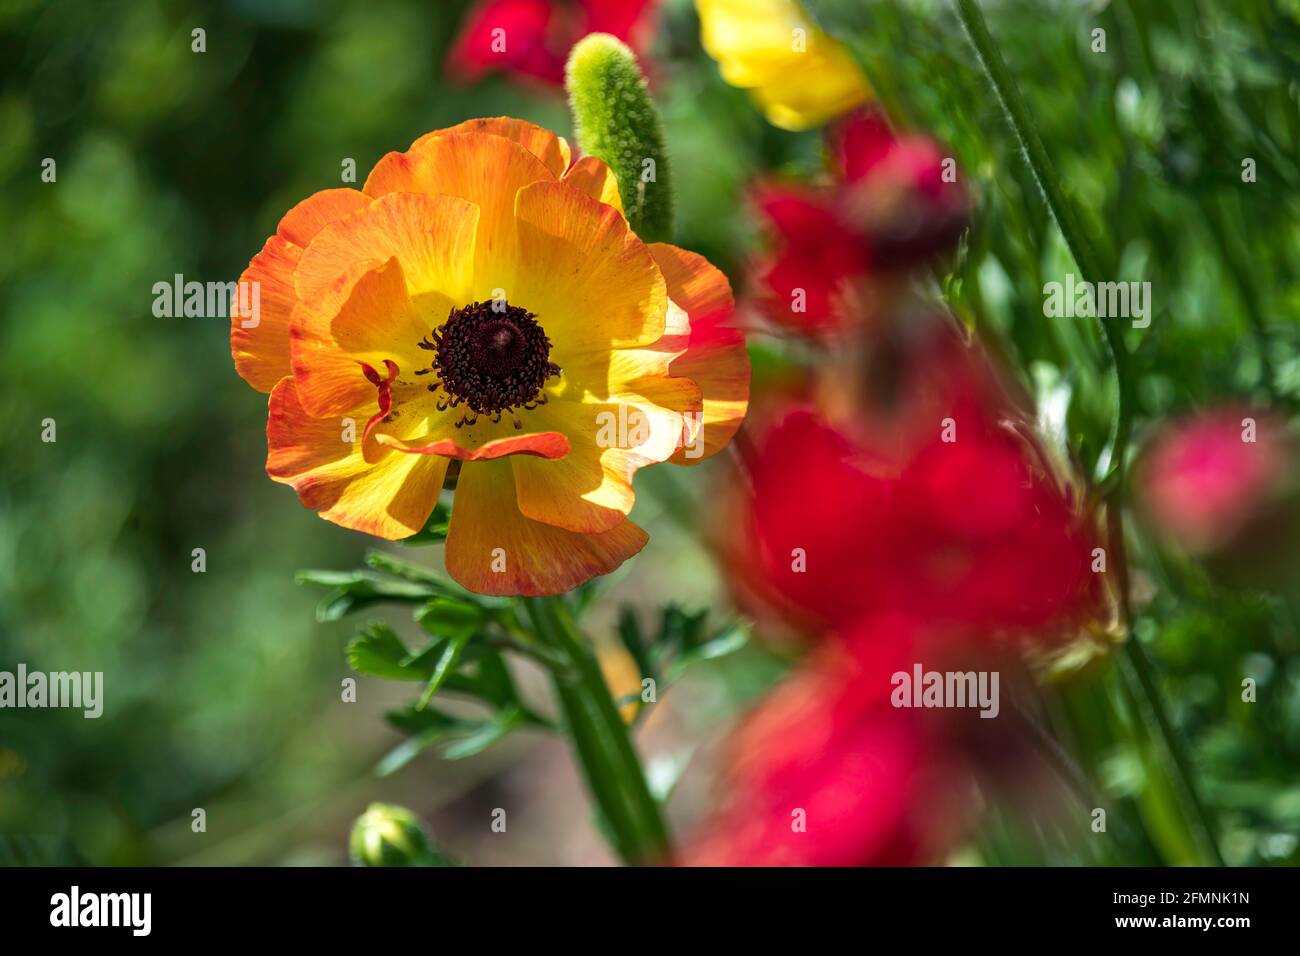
x: 483, y: 301
x: 799, y: 76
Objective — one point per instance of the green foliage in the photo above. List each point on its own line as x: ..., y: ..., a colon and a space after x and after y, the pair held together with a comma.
x: 1148, y: 138
x: 461, y: 656
x: 434, y: 530
x: 617, y: 122
x: 222, y: 689
x: 682, y: 638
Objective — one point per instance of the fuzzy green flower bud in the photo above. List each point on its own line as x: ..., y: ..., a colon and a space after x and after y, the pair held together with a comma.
x: 617, y: 122
x: 389, y: 835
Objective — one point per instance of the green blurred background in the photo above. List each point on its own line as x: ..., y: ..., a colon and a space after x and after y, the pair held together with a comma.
x: 222, y: 692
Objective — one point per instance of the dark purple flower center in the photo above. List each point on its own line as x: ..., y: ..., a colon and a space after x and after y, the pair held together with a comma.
x: 491, y: 357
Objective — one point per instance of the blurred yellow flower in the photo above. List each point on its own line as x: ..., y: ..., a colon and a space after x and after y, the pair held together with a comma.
x: 799, y: 76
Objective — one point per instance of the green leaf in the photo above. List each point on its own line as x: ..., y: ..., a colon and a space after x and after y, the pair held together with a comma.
x: 408, y: 750
x: 490, y: 680
x: 463, y: 738
x: 413, y: 722
x: 617, y: 122
x: 434, y: 530
x: 433, y: 581
x: 486, y: 734
x: 354, y: 590
x: 451, y: 618
x: 444, y: 668
x: 379, y: 652
x: 684, y: 638
x: 727, y: 641
x: 629, y: 633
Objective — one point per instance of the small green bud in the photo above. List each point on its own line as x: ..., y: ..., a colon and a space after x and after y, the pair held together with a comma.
x: 389, y: 835
x: 617, y: 122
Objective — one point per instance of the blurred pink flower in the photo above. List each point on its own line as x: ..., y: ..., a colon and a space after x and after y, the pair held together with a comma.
x: 1206, y: 481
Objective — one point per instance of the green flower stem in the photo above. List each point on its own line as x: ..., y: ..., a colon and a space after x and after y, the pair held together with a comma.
x: 600, y: 738
x: 1085, y: 257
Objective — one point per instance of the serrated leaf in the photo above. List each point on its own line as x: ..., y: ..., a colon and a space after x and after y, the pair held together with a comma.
x: 491, y: 680
x: 681, y: 629
x: 406, y: 751
x: 379, y: 652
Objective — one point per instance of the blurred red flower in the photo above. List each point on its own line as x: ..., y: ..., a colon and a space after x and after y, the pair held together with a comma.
x: 894, y: 203
x: 532, y: 38
x: 825, y: 772
x: 959, y: 522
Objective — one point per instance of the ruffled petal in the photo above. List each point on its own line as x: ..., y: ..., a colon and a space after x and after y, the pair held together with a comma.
x: 260, y: 343
x: 594, y: 178
x: 390, y: 498
x: 638, y: 423
x: 750, y: 38
x: 301, y: 223
x: 552, y: 150
x: 378, y: 323
x: 431, y: 238
x: 486, y: 170
x: 329, y: 381
x: 592, y: 283
x: 525, y: 25
x: 493, y: 549
x: 824, y: 85
x: 716, y: 359
x: 548, y: 445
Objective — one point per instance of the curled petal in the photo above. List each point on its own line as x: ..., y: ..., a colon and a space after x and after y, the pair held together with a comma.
x: 390, y: 498
x: 591, y: 281
x: 431, y: 236
x: 260, y: 342
x: 591, y: 489
x: 594, y: 178
x: 486, y: 170
x: 716, y: 359
x: 429, y: 242
x: 552, y: 150
x: 548, y: 445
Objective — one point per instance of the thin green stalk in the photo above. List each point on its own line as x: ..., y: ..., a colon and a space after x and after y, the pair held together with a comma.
x: 1085, y: 257
x: 1148, y: 697
x: 600, y: 739
x: 1239, y: 269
